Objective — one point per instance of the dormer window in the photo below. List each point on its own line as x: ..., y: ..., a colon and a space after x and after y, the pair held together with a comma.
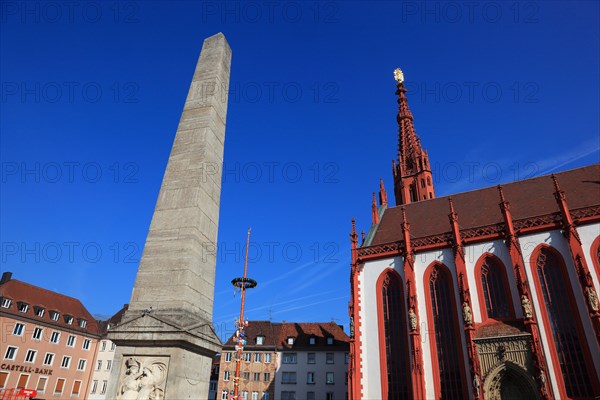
x: 5, y: 302
x: 260, y: 340
x: 39, y: 311
x: 23, y: 307
x: 54, y: 315
x: 329, y: 340
x: 82, y: 323
x: 69, y: 319
x: 290, y: 340
x: 312, y: 340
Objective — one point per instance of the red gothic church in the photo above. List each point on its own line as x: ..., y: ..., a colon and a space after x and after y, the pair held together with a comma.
x: 485, y: 294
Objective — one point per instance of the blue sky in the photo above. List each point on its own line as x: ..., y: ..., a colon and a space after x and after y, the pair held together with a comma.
x: 92, y: 93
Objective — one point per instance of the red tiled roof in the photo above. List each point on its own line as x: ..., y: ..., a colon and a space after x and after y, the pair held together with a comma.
x: 34, y: 296
x: 112, y: 321
x: 527, y: 198
x: 494, y: 328
x: 276, y: 334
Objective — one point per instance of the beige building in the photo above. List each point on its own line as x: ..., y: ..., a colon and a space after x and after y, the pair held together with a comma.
x: 49, y: 342
x: 290, y: 361
x: 105, y: 358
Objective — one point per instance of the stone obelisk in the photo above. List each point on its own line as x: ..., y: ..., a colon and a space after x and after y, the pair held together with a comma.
x: 166, y: 340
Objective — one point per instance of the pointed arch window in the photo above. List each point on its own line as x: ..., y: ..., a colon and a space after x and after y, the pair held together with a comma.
x: 393, y: 338
x: 494, y: 290
x: 561, y: 318
x: 446, y: 349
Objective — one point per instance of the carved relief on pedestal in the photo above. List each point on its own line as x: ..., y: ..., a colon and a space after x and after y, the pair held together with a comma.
x: 143, y: 378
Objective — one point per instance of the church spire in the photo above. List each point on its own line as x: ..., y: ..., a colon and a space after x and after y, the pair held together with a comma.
x: 412, y: 173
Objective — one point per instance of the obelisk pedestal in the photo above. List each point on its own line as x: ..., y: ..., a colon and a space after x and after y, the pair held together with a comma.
x: 166, y: 341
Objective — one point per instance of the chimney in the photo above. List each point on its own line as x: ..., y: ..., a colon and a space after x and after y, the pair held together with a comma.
x: 5, y: 277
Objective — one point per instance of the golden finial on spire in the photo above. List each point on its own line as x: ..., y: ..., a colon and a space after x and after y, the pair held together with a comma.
x: 398, y: 75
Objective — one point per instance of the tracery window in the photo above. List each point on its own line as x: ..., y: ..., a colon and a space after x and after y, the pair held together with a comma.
x: 563, y: 321
x: 395, y: 366
x: 494, y: 288
x: 447, y: 345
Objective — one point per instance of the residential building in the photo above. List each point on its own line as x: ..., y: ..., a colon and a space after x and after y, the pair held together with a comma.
x: 49, y: 341
x: 105, y: 358
x: 484, y: 294
x: 287, y: 360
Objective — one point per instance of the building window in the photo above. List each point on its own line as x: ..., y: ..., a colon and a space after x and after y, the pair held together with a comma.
x: 3, y: 379
x: 99, y: 365
x: 104, y: 384
x: 22, y: 383
x: 76, y: 388
x: 289, y: 358
x: 563, y: 323
x: 82, y: 323
x: 226, y: 375
x: 94, y: 387
x: 396, y: 381
x: 108, y: 365
x: 54, y: 315
x: 290, y: 340
x: 310, y: 358
x: 37, y: 333
x: 494, y: 288
x: 310, y: 378
x: 329, y: 378
x: 11, y: 353
x: 310, y: 396
x: 267, y: 376
x: 245, y: 395
x: 447, y: 346
x: 224, y: 395
x: 256, y: 376
x: 329, y: 358
x: 247, y: 357
x: 260, y: 340
x: 329, y: 396
x: 23, y: 307
x: 103, y: 345
x: 288, y: 377
x: 113, y: 346
x: 5, y: 302
x: 257, y: 357
x: 287, y: 395
x: 246, y: 376
x: 86, y: 344
x: 81, y: 364
x: 268, y: 357
x: 312, y: 340
x: 66, y: 362
x: 329, y: 340
x: 30, y: 356
x: 48, y: 359
x: 71, y: 341
x: 265, y: 396
x: 69, y: 319
x: 41, y: 385
x: 60, y: 385
x: 227, y: 357
x: 254, y: 395
x: 18, y: 330
x: 55, y: 337
x: 39, y: 311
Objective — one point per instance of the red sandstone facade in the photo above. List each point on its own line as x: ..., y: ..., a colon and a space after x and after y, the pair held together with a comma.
x: 49, y: 342
x: 481, y: 294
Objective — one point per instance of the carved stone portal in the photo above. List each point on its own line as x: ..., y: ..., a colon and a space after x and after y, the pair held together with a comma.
x: 143, y: 378
x: 506, y: 367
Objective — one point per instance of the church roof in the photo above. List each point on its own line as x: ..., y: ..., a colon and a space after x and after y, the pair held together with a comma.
x: 528, y: 198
